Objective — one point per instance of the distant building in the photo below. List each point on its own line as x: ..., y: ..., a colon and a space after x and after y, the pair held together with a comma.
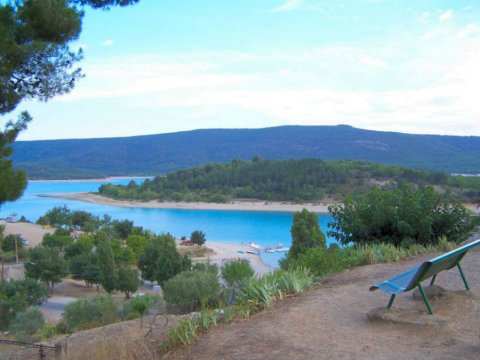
x: 13, y: 218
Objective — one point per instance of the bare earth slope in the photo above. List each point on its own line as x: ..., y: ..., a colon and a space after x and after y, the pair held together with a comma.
x: 330, y: 322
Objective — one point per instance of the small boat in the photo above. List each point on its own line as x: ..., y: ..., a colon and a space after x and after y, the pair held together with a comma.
x: 241, y: 252
x: 282, y: 249
x: 252, y: 252
x: 255, y: 246
x: 270, y: 250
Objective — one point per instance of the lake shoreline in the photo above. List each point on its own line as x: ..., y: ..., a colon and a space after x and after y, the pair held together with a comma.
x: 236, y: 205
x: 108, y: 178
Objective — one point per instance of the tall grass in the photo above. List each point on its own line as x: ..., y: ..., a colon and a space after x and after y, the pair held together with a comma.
x: 381, y: 253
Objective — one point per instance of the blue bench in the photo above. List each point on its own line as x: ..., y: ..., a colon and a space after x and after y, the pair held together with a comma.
x: 413, y: 278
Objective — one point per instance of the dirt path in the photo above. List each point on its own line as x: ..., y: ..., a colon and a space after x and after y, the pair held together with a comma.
x: 330, y: 322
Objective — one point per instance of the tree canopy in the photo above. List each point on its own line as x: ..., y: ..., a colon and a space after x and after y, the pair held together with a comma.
x: 36, y: 62
x: 399, y: 217
x: 286, y: 180
x: 306, y: 233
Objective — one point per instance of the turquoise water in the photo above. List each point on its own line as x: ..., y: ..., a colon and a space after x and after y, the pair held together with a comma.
x: 261, y: 227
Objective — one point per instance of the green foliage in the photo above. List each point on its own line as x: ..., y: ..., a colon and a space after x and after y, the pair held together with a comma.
x: 26, y: 324
x: 259, y: 293
x: 137, y: 244
x: 128, y: 281
x: 192, y: 288
x: 82, y: 245
x: 46, y: 265
x: 320, y: 261
x: 198, y: 238
x: 236, y: 272
x: 17, y: 295
x: 85, y: 267
x: 286, y: 180
x: 57, y: 216
x: 89, y: 313
x: 185, y: 332
x: 405, y: 215
x: 57, y: 241
x: 12, y: 182
x: 107, y: 267
x: 8, y: 243
x: 160, y: 260
x: 37, y: 62
x: 306, y: 233
x: 138, y: 306
x: 206, y: 267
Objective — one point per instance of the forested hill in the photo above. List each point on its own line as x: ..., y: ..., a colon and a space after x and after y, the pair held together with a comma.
x: 288, y: 180
x: 159, y: 154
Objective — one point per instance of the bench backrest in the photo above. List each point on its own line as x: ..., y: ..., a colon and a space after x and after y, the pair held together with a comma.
x: 440, y: 263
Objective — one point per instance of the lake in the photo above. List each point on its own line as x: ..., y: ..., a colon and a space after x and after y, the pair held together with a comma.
x: 262, y: 227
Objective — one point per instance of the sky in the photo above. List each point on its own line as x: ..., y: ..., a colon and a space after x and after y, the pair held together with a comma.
x: 175, y: 65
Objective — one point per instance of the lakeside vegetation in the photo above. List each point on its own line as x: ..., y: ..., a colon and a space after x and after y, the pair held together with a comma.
x: 288, y: 180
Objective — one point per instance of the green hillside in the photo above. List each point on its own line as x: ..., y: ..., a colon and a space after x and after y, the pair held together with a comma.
x: 159, y: 154
x: 288, y: 180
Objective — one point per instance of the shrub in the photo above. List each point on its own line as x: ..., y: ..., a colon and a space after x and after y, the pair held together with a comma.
x: 192, y: 288
x: 17, y: 295
x: 237, y: 271
x: 137, y: 306
x: 320, y: 261
x: 26, y: 324
x: 8, y: 243
x: 206, y: 267
x: 128, y: 281
x: 89, y: 313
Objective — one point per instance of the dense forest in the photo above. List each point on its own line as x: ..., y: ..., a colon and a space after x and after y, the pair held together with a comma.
x: 288, y: 180
x: 163, y: 153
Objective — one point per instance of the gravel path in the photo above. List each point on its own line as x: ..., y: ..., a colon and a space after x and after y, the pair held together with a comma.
x: 330, y: 322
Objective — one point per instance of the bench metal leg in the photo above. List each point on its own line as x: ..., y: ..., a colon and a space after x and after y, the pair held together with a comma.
x: 390, y: 303
x: 425, y: 299
x: 463, y: 277
x: 433, y: 279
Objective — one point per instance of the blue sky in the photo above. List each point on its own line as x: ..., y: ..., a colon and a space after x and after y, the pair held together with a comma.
x: 171, y: 65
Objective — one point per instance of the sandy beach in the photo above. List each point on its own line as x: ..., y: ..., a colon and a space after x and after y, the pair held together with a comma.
x: 234, y: 205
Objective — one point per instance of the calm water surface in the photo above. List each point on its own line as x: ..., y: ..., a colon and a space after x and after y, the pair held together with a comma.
x: 261, y: 227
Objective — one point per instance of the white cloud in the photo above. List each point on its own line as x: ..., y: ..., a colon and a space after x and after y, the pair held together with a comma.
x: 432, y: 34
x: 445, y: 15
x: 290, y: 5
x: 108, y: 42
x: 468, y: 30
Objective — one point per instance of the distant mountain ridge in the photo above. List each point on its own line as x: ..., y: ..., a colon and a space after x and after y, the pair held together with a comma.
x: 159, y: 154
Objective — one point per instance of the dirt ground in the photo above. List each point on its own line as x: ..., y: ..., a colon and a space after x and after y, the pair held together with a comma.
x: 330, y: 322
x: 31, y: 232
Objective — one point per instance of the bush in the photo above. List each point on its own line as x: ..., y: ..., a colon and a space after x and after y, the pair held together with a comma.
x: 26, y: 324
x: 320, y: 261
x: 17, y: 295
x: 8, y: 243
x: 237, y: 271
x: 138, y: 306
x: 206, y: 267
x: 89, y: 313
x: 192, y: 288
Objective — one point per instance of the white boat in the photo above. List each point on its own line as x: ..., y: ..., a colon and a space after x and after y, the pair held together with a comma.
x: 255, y: 246
x: 282, y: 249
x: 270, y: 250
